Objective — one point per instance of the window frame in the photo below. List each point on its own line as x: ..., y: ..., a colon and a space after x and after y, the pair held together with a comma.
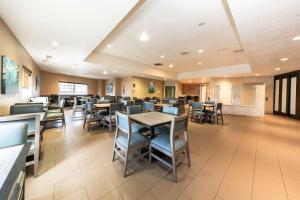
x: 73, y: 90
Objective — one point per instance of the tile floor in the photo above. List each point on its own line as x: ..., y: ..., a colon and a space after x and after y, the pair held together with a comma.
x: 247, y: 158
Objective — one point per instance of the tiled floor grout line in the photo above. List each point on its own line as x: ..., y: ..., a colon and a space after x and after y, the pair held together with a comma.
x: 233, y: 156
x: 278, y: 162
x: 201, y: 168
x: 254, y: 165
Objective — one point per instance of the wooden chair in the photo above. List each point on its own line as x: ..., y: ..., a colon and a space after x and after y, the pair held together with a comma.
x: 90, y: 116
x: 126, y: 141
x: 33, y: 134
x: 172, y: 144
x: 110, y: 119
x: 77, y: 108
x: 57, y: 114
x: 197, y: 113
x: 218, y: 114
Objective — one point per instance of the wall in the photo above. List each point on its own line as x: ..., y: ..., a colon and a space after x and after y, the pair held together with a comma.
x: 11, y: 47
x: 141, y: 88
x: 116, y: 87
x: 49, y: 83
x: 237, y: 83
x: 191, y: 89
x: 101, y: 87
x: 126, y: 86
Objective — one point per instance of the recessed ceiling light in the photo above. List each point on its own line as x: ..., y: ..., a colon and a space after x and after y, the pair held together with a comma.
x: 144, y: 37
x: 200, y: 51
x: 257, y: 74
x: 296, y: 38
x: 54, y: 43
x: 104, y: 72
x: 115, y: 71
x: 199, y: 63
x: 284, y: 59
x: 162, y: 56
x: 277, y: 69
x: 109, y: 45
x: 171, y: 65
x: 225, y: 76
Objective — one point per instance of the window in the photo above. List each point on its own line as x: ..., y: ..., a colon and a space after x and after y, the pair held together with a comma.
x: 72, y: 88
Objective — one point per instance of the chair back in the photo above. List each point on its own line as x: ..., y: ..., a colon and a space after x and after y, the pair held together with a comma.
x: 196, y: 105
x: 179, y: 126
x: 115, y: 107
x: 170, y: 110
x: 103, y: 101
x: 219, y: 107
x: 26, y: 108
x: 89, y: 107
x: 165, y: 101
x: 12, y: 134
x: 149, y: 106
x: 172, y: 101
x: 134, y: 109
x: 138, y: 102
x: 123, y: 122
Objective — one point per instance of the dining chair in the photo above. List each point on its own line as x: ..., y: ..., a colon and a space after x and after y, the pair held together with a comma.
x: 110, y: 119
x: 90, y: 116
x: 136, y: 109
x: 57, y: 115
x: 148, y: 106
x: 33, y: 134
x: 172, y: 145
x: 217, y: 113
x: 196, y: 112
x: 166, y: 128
x: 127, y: 141
x: 77, y: 108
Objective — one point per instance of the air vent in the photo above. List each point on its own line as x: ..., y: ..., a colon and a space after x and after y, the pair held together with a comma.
x: 184, y: 53
x: 201, y: 24
x: 238, y: 50
x: 158, y: 64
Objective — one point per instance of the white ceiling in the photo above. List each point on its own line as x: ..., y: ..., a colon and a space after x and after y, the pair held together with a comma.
x: 78, y: 27
x: 174, y: 28
x: 263, y: 28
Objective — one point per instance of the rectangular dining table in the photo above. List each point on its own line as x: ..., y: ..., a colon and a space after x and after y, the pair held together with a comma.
x: 102, y: 105
x: 152, y: 119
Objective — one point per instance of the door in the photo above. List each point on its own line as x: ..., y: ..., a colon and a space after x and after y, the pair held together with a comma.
x: 170, y: 92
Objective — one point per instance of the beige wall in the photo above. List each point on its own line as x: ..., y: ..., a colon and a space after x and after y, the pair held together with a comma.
x: 49, y: 83
x: 11, y: 47
x: 228, y: 83
x: 141, y: 88
x: 101, y: 87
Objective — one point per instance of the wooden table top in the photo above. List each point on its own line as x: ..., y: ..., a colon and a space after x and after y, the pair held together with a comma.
x: 208, y: 105
x: 152, y: 119
x: 103, y: 105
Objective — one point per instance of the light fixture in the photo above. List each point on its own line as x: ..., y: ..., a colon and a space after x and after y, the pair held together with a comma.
x: 115, y: 71
x: 109, y: 45
x: 200, y: 51
x: 277, y: 69
x: 284, y: 59
x: 162, y: 56
x: 257, y: 74
x: 171, y: 65
x: 296, y: 38
x: 104, y: 72
x: 54, y: 43
x: 199, y: 63
x: 144, y: 37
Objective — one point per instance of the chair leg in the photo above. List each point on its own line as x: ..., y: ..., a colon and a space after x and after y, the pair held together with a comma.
x: 222, y: 119
x: 84, y: 122
x: 125, y: 164
x: 174, y: 168
x: 188, y: 155
x: 150, y: 156
x: 110, y: 126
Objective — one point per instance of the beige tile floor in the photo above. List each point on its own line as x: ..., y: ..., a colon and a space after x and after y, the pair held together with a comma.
x: 247, y: 158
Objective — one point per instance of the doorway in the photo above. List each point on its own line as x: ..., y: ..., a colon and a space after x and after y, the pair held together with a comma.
x: 170, y: 92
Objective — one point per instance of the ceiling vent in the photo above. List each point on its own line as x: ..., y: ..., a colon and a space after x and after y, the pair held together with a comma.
x: 238, y: 51
x: 184, y: 53
x: 158, y: 64
x: 201, y: 24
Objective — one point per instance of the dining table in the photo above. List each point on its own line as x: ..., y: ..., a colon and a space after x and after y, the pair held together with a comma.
x: 152, y: 119
x: 102, y: 105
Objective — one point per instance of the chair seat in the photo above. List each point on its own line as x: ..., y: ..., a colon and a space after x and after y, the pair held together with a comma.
x: 107, y: 118
x: 198, y: 112
x: 163, y: 141
x: 54, y: 115
x: 54, y: 110
x: 135, y: 127
x: 103, y: 112
x: 136, y: 139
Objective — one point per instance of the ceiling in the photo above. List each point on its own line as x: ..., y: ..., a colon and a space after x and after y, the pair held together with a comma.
x: 238, y: 38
